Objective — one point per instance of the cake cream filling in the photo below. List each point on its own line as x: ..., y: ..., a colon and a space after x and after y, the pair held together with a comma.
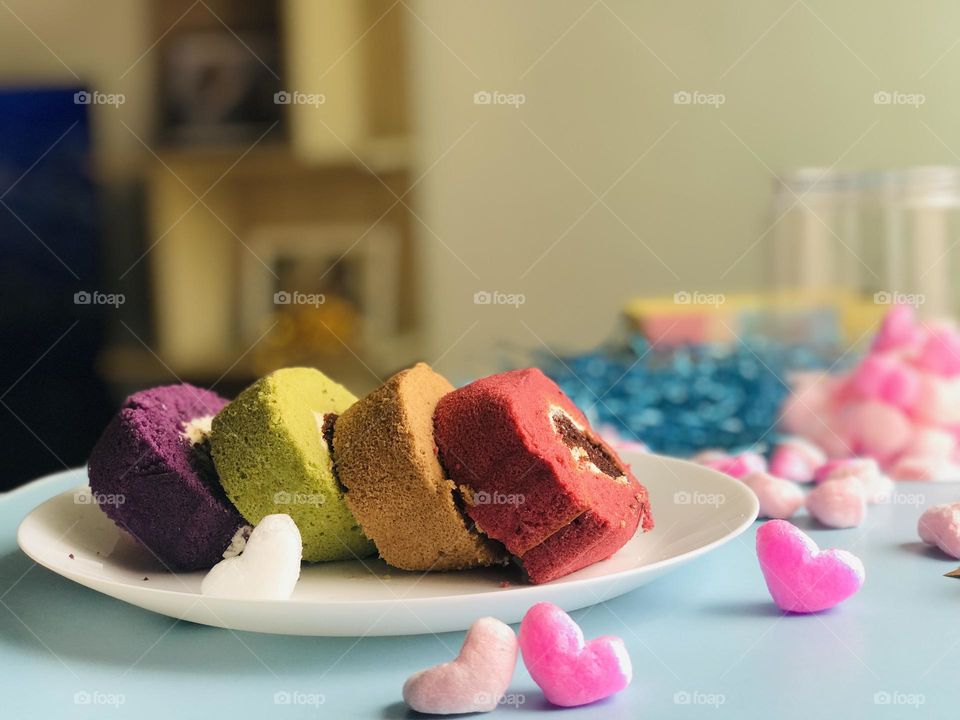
x: 198, y: 430
x: 580, y: 454
x: 238, y: 542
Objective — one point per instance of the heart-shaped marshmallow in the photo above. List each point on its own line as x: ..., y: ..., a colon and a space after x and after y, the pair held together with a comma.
x: 267, y: 569
x: 877, y: 429
x: 778, y: 498
x: 940, y: 353
x: 472, y: 682
x: 867, y: 379
x: 801, y: 577
x: 940, y: 525
x: 925, y: 469
x: 705, y: 457
x: 811, y: 401
x: 931, y: 442
x: 797, y: 459
x: 898, y: 330
x: 838, y: 503
x: 570, y: 671
x: 876, y: 487
x: 740, y: 465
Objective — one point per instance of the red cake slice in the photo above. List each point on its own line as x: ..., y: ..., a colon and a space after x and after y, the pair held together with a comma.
x: 535, y: 476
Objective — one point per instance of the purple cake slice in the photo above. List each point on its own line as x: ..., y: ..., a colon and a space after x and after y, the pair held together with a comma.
x: 151, y: 473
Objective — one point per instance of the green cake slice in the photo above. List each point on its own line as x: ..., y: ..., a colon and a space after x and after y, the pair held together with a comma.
x: 272, y: 456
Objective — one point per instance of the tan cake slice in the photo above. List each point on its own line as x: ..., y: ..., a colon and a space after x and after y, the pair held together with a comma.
x: 386, y: 459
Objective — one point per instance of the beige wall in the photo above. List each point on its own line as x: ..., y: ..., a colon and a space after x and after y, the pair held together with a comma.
x: 799, y: 83
x: 599, y: 81
x: 91, y: 43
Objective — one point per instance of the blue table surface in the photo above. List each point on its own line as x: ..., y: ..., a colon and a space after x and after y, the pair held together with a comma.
x: 706, y: 641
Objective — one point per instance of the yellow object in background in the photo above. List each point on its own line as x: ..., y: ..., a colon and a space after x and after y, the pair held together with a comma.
x: 814, y: 317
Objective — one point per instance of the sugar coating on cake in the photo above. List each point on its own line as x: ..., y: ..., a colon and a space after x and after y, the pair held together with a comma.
x: 272, y: 457
x: 535, y: 476
x: 151, y: 473
x: 385, y: 457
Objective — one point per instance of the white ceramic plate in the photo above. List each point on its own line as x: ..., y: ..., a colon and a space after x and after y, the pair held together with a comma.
x: 696, y: 510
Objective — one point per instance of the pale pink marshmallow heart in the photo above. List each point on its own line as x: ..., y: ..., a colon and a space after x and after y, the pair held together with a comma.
x: 898, y: 329
x: 710, y: 455
x: 940, y: 525
x: 630, y: 446
x: 878, y: 429
x: 925, y: 469
x: 901, y: 387
x: 838, y: 503
x: 797, y: 459
x: 953, y: 400
x: 867, y: 379
x: 475, y: 680
x: 931, y: 442
x: 940, y: 352
x: 938, y: 400
x: 833, y: 443
x: 812, y: 397
x: 739, y: 465
x: 778, y: 498
x: 802, y: 578
x: 876, y: 487
x: 829, y: 466
x: 569, y: 670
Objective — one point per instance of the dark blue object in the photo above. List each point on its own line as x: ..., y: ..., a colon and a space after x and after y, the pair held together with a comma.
x: 52, y: 400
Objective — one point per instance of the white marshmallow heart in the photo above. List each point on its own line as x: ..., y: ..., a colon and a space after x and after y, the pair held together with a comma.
x: 267, y: 569
x: 472, y: 682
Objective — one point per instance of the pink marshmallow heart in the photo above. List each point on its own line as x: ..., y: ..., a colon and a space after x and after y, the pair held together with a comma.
x: 811, y: 399
x: 838, y: 503
x: 940, y: 352
x: 931, y: 442
x: 801, y: 577
x: 570, y: 671
x: 739, y: 466
x: 704, y: 457
x: 940, y: 525
x: 901, y: 387
x: 877, y: 429
x: 778, y: 498
x: 475, y: 680
x: 925, y: 469
x: 868, y: 378
x: 938, y: 400
x: 898, y: 330
x: 885, y: 377
x: 833, y: 444
x: 876, y: 487
x: 796, y: 459
x: 828, y: 467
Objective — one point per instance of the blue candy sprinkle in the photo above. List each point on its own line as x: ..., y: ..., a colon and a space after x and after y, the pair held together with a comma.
x: 683, y: 399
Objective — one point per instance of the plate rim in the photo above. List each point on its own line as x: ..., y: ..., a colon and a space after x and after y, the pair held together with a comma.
x: 732, y: 485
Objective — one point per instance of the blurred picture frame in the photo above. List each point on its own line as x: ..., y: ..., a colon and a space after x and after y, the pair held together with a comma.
x: 217, y: 90
x: 351, y: 261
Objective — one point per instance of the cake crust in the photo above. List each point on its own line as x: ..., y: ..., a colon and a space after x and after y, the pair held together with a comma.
x: 151, y: 473
x: 535, y: 476
x: 269, y: 449
x: 386, y: 459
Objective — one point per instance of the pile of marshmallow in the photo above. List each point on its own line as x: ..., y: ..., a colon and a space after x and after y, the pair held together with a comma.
x: 842, y: 488
x: 900, y: 405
